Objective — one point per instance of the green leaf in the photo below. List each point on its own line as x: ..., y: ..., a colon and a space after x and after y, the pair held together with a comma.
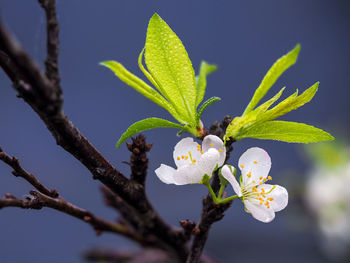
x: 140, y: 86
x: 171, y: 68
x: 201, y: 80
x: 147, y: 74
x: 285, y: 131
x: 205, y: 105
x: 291, y: 103
x: 147, y: 124
x: 261, y: 114
x: 264, y: 107
x: 272, y: 75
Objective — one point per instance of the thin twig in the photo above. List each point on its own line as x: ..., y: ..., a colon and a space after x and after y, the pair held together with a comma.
x: 52, y: 42
x: 39, y: 200
x: 18, y: 171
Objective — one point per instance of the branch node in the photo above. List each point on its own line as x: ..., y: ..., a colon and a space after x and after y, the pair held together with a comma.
x: 87, y: 218
x: 138, y: 158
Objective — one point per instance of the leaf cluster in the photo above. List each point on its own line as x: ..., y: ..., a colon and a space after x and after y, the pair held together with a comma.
x: 259, y: 122
x: 176, y: 88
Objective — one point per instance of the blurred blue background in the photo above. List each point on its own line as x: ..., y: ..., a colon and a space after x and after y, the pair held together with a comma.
x: 243, y: 38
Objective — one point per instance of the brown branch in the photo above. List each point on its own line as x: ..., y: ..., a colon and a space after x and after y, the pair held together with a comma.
x: 52, y: 42
x: 128, y: 213
x: 31, y: 74
x: 210, y: 212
x: 45, y: 99
x: 18, y: 171
x: 39, y: 200
x: 71, y: 139
x: 146, y: 255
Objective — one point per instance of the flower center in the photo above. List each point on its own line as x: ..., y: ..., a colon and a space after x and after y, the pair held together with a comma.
x: 256, y: 195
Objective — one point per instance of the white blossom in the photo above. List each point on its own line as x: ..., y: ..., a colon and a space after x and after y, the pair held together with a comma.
x: 193, y: 161
x: 260, y: 199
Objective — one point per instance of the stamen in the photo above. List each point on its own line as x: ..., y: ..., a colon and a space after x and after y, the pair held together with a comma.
x: 220, y: 150
x: 260, y: 183
x: 265, y: 180
x: 269, y: 177
x: 253, y: 182
x: 255, y: 162
x: 270, y: 198
x: 189, y: 153
x: 260, y: 178
x: 211, y: 145
x: 271, y: 189
x: 186, y: 157
x: 178, y: 158
x: 194, y: 160
x: 242, y: 166
x: 249, y: 174
x: 183, y: 156
x: 202, y: 152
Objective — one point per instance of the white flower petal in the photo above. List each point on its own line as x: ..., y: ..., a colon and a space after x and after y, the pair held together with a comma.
x: 260, y: 212
x: 255, y: 165
x: 212, y: 141
x: 166, y: 173
x: 279, y: 195
x: 188, y: 174
x: 226, y: 173
x: 185, y: 151
x: 208, y: 161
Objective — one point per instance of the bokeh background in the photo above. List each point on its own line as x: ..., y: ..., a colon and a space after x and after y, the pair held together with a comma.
x: 243, y: 38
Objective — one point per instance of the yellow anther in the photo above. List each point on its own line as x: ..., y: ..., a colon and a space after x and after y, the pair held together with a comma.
x: 249, y: 174
x: 253, y: 182
x: 267, y: 203
x: 262, y: 190
x: 202, y: 152
x: 270, y: 198
x: 242, y: 166
x: 257, y: 194
x: 178, y: 158
x: 260, y: 178
x: 268, y: 206
x: 255, y: 162
x: 194, y: 160
x: 211, y: 145
x: 261, y: 203
x: 186, y: 157
x: 269, y: 177
x: 183, y: 156
x: 265, y: 179
x: 260, y: 183
x: 256, y: 198
x: 254, y: 189
x: 220, y: 150
x: 261, y: 199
